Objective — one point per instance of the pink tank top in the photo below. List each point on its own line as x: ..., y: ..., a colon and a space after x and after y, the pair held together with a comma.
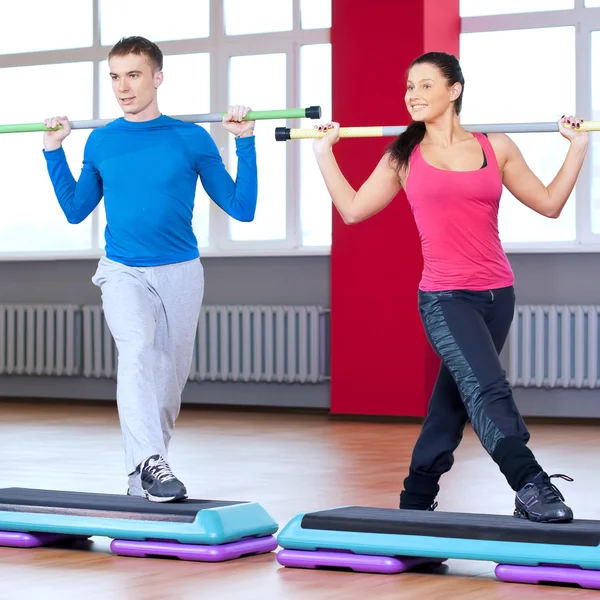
x: 456, y: 213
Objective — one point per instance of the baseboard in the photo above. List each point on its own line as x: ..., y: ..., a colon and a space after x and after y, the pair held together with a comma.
x: 208, y: 393
x: 184, y: 408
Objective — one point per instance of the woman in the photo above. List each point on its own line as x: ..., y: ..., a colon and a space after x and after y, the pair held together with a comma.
x: 453, y: 181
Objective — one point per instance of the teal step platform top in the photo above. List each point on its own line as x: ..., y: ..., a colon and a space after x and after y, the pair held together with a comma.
x: 394, y: 532
x: 208, y: 522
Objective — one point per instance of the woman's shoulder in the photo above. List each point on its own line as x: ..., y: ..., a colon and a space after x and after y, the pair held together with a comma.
x: 501, y: 145
x: 499, y: 141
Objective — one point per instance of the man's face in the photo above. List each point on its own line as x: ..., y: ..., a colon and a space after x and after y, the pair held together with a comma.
x: 134, y: 81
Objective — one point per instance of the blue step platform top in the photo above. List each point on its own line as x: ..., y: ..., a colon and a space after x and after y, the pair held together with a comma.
x: 209, y: 522
x: 394, y: 532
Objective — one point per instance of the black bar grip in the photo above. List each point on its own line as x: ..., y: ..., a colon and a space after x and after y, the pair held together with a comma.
x: 313, y: 112
x: 282, y: 134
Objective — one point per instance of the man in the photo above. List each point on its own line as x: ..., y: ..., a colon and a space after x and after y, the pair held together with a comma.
x: 146, y: 166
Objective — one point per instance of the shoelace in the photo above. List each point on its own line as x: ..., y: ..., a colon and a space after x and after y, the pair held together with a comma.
x: 161, y: 470
x: 548, y: 491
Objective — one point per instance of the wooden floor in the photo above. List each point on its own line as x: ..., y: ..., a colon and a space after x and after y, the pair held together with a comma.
x: 288, y: 463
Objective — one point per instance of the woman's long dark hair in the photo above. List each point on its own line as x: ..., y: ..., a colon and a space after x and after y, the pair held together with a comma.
x: 402, y: 147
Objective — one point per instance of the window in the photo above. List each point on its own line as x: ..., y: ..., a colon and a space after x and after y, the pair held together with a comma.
x: 528, y: 94
x: 264, y: 16
x: 315, y: 202
x: 181, y: 21
x: 475, y: 8
x: 510, y: 61
x: 256, y: 81
x: 32, y: 219
x: 32, y: 26
x: 216, y: 52
x: 315, y: 14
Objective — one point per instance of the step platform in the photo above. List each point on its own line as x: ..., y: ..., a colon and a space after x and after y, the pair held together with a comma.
x: 203, y: 530
x: 384, y: 540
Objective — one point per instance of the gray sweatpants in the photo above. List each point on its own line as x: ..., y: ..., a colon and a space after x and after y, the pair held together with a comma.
x: 152, y: 313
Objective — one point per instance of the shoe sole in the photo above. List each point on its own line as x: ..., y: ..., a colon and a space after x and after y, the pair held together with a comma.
x: 163, y: 498
x: 520, y: 514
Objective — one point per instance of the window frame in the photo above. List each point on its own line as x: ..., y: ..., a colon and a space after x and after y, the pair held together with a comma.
x: 220, y: 47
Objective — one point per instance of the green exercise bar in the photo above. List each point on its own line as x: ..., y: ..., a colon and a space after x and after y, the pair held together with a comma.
x: 312, y: 112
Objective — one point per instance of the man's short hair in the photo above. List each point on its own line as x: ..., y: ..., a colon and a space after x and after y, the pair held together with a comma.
x: 141, y: 46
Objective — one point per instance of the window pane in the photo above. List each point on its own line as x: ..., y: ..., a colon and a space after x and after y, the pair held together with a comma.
x: 475, y: 8
x: 315, y: 14
x: 30, y: 105
x: 179, y: 94
x: 32, y: 26
x: 594, y: 141
x: 35, y: 221
x: 529, y: 95
x: 544, y: 153
x: 32, y: 220
x: 591, y: 3
x: 259, y: 16
x: 182, y: 20
x: 260, y: 82
x: 315, y: 201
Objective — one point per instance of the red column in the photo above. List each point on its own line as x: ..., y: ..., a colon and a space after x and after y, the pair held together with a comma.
x: 381, y: 361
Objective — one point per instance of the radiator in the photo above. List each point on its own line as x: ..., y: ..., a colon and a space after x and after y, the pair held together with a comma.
x: 554, y: 347
x: 284, y: 344
x: 40, y: 339
x: 261, y: 343
x: 548, y: 346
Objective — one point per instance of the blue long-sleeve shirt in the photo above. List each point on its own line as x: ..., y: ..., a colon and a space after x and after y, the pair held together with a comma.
x: 147, y: 173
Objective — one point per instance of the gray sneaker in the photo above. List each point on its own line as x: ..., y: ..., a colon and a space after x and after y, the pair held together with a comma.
x: 158, y: 482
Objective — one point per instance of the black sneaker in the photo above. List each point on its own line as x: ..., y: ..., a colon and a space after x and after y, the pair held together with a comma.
x: 158, y: 482
x: 540, y: 501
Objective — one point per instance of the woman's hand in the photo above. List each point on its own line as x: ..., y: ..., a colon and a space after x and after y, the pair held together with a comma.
x: 332, y: 136
x: 569, y: 128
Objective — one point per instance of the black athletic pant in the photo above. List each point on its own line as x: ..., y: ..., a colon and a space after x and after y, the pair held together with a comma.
x: 468, y: 329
